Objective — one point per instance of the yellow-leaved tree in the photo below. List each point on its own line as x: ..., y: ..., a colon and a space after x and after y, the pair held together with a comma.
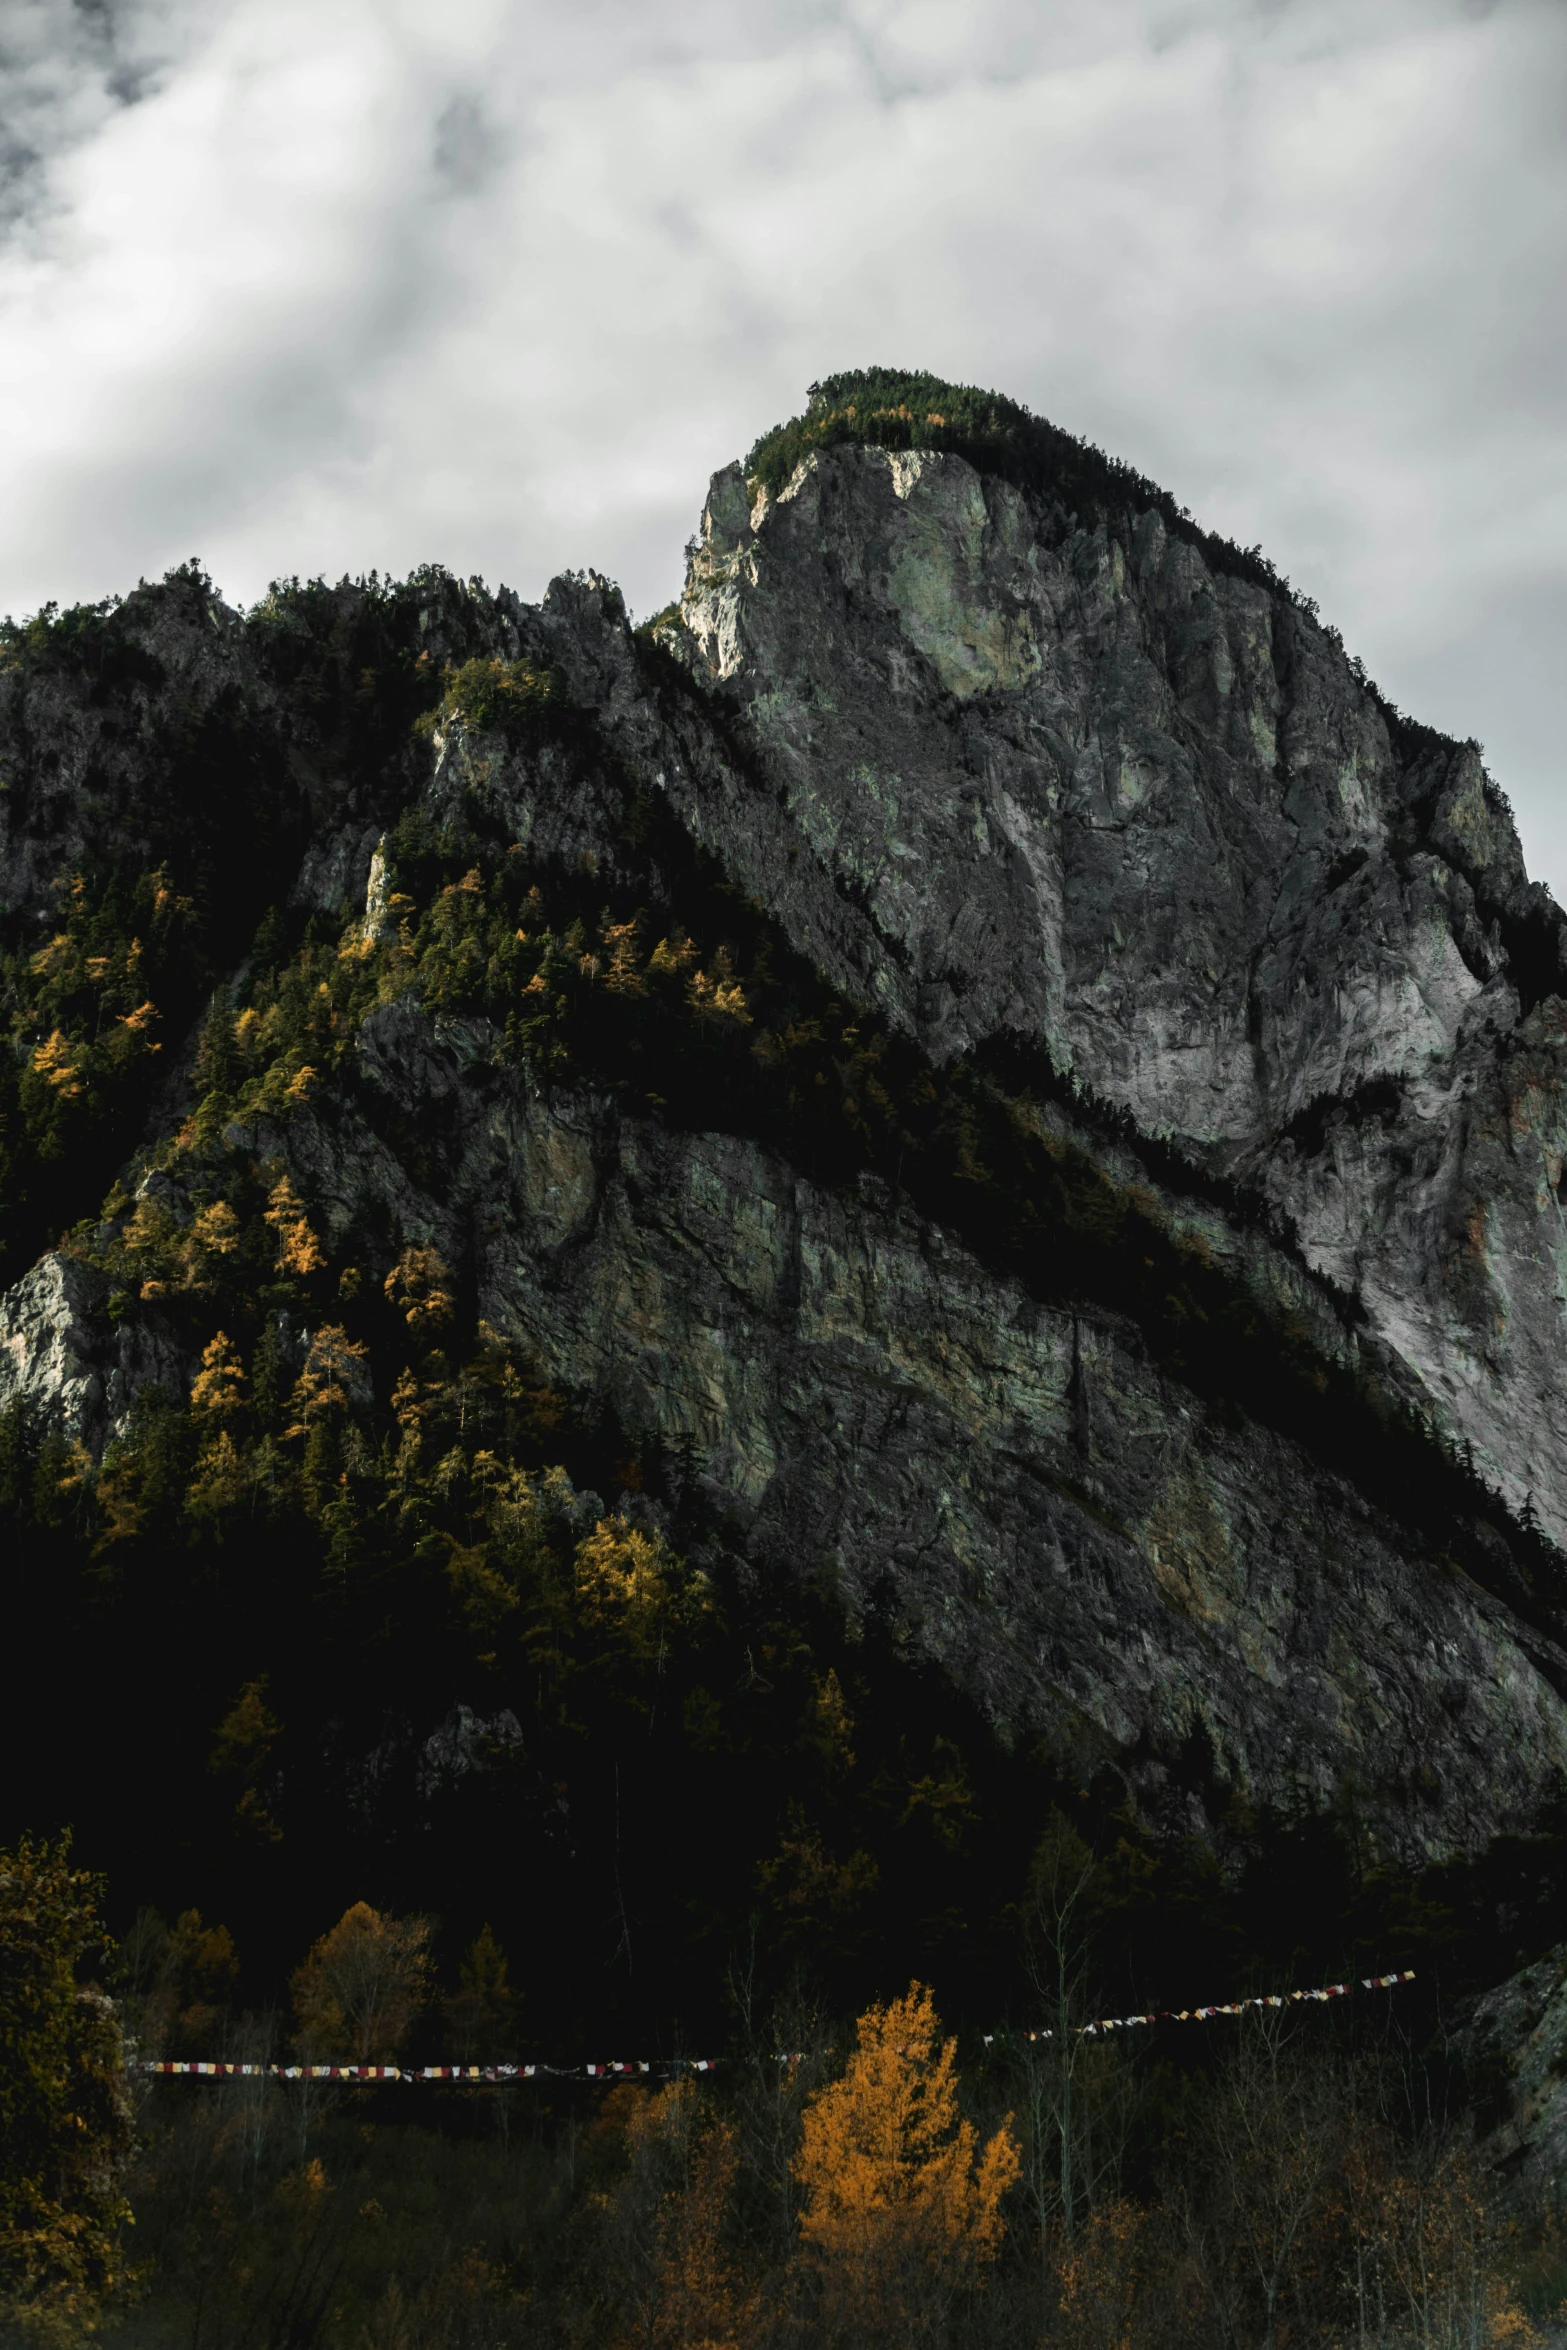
x: 902, y: 2206
x: 632, y: 1587
x: 420, y: 1287
x: 363, y: 1987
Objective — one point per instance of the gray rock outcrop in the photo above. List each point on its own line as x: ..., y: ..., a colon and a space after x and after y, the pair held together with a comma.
x: 1514, y: 2045
x: 68, y: 1360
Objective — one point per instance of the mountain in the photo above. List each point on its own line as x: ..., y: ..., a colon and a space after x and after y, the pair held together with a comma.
x: 973, y: 1077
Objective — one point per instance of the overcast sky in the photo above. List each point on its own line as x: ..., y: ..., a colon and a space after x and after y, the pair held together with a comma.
x: 326, y: 285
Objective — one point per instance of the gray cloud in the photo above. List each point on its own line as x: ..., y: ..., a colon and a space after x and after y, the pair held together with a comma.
x: 499, y: 284
x: 65, y: 67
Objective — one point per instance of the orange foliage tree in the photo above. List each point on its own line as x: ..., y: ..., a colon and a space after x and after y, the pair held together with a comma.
x: 298, y: 1249
x: 901, y: 2204
x: 358, y: 1994
x: 1428, y: 2243
x: 420, y: 1286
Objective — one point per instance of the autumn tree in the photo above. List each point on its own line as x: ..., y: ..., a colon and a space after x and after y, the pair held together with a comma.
x: 245, y: 1738
x: 420, y: 1287
x: 1419, y: 2245
x: 218, y: 1391
x: 901, y: 2205
x: 768, y: 2095
x: 298, y: 1249
x: 705, y: 2303
x: 65, y: 2119
x: 359, y: 1993
x: 664, y: 2227
x: 333, y: 1378
x: 632, y: 1587
x: 176, y: 1983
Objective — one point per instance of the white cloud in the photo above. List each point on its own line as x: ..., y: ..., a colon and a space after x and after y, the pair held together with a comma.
x: 358, y: 283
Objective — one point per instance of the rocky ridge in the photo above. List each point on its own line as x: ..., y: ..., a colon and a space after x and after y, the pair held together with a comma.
x: 1061, y: 794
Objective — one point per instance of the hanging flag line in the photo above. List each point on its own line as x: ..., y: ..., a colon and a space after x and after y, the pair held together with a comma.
x: 665, y: 2066
x: 435, y: 2072
x: 1200, y: 2015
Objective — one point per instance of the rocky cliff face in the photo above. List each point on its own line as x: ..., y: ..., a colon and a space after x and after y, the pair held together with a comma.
x: 1083, y: 1546
x: 1042, y: 798
x: 1072, y: 785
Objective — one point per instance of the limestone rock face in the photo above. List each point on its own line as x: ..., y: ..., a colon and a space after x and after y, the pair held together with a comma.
x: 877, y: 1409
x: 1006, y: 775
x: 68, y: 1361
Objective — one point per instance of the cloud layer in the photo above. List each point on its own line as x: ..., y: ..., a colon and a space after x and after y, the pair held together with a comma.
x: 321, y: 287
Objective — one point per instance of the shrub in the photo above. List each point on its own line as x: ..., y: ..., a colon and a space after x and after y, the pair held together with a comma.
x: 486, y: 693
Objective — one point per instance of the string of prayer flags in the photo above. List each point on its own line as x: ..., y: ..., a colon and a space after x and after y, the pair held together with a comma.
x: 1201, y: 2015
x: 428, y: 2072
x: 666, y: 2066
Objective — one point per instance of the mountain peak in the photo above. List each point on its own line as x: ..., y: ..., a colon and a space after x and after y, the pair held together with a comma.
x: 973, y: 1066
